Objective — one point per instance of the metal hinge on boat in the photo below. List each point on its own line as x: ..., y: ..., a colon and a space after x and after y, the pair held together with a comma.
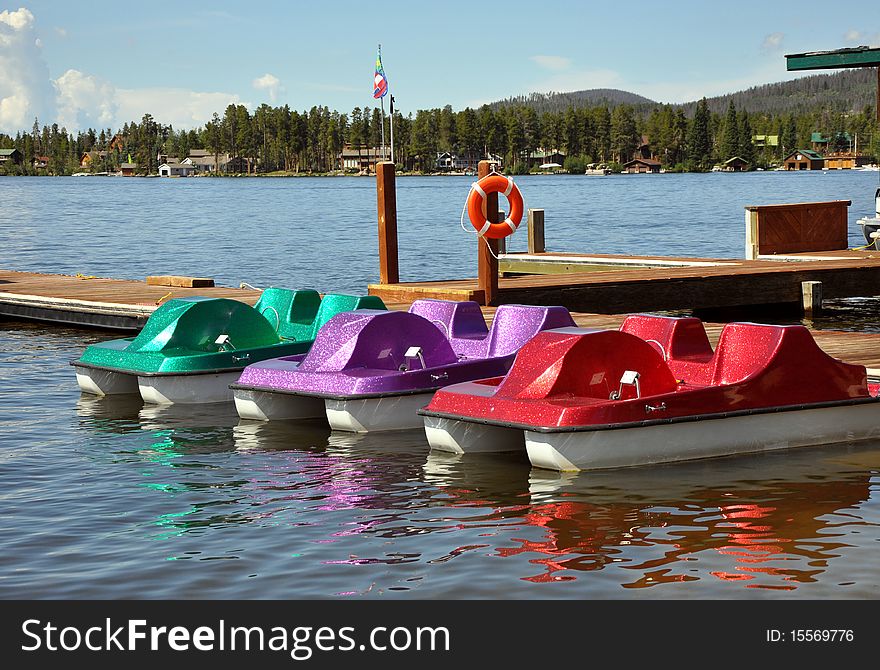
x: 655, y: 408
x: 629, y: 378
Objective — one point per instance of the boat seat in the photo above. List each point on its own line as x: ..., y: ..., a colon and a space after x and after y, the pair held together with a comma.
x: 366, y: 341
x: 682, y: 340
x: 335, y: 303
x: 745, y: 349
x: 291, y: 313
x: 571, y: 366
x: 514, y: 325
x: 461, y: 322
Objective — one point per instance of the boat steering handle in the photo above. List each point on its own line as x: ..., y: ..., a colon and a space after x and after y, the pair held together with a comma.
x: 659, y: 346
x: 277, y: 316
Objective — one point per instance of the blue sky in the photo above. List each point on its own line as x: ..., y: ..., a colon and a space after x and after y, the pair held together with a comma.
x: 95, y: 62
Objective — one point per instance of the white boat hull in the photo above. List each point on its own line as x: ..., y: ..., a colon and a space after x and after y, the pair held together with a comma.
x: 364, y: 415
x: 187, y: 389
x: 268, y: 406
x: 686, y: 440
x: 98, y: 381
x: 465, y: 437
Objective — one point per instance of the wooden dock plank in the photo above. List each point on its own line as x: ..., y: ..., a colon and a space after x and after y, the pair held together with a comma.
x: 726, y: 284
x: 84, y: 299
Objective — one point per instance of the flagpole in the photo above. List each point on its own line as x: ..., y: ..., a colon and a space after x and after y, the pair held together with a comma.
x: 382, y: 101
x: 382, y: 104
x: 392, y: 129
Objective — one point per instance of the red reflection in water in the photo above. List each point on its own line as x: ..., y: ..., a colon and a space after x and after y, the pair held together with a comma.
x: 756, y: 537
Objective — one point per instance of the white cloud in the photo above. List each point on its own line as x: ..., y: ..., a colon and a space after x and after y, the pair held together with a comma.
x: 19, y: 20
x: 552, y: 62
x: 269, y: 83
x: 178, y: 107
x: 857, y: 37
x: 25, y: 89
x: 85, y: 101
x: 61, y: 32
x: 773, y: 41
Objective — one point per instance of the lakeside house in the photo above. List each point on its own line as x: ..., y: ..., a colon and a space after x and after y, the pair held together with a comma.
x: 177, y: 169
x: 12, y: 156
x: 89, y: 156
x: 846, y: 161
x: 450, y: 162
x: 205, y: 161
x: 363, y: 159
x: 762, y: 141
x: 128, y: 169
x: 641, y: 166
x: 804, y: 159
x: 41, y: 162
x: 545, y: 157
x: 735, y: 164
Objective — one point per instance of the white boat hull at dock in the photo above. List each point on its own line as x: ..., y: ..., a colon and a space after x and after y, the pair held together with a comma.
x: 364, y: 415
x: 269, y: 406
x: 187, y: 389
x: 100, y: 382
x: 705, y: 438
x: 466, y: 437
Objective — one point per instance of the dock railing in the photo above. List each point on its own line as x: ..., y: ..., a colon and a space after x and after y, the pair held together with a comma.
x: 796, y: 228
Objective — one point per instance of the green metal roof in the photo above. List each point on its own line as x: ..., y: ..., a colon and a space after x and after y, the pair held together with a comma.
x: 809, y: 153
x: 840, y: 58
x: 7, y: 152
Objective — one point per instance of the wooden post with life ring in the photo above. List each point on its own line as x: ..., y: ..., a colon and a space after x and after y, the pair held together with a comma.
x: 487, y: 261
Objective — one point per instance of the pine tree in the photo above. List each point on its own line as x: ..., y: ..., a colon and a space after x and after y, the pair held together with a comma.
x: 730, y: 145
x: 699, y: 138
x: 746, y: 144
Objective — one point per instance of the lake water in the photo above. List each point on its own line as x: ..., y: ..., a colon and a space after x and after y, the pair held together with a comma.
x: 109, y: 498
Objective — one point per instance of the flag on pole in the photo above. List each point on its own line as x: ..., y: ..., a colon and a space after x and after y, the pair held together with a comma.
x: 380, y: 83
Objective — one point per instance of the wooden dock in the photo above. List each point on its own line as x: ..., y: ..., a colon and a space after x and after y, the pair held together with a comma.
x: 125, y: 304
x: 644, y: 285
x: 117, y: 304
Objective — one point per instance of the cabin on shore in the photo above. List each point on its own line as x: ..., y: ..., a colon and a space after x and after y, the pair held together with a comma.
x: 204, y: 161
x: 363, y: 159
x: 89, y: 156
x: 641, y: 166
x: 12, y: 156
x: 736, y: 164
x: 545, y: 157
x: 127, y: 169
x: 176, y: 170
x: 846, y: 161
x: 804, y: 159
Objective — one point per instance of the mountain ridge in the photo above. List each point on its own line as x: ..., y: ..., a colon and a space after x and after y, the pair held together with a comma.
x: 842, y: 91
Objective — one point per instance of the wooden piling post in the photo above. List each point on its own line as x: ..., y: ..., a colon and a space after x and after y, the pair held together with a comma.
x: 487, y: 261
x: 386, y: 193
x: 536, y: 231
x: 811, y: 294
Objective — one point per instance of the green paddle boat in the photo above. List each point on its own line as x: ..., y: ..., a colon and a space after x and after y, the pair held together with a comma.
x: 191, y: 349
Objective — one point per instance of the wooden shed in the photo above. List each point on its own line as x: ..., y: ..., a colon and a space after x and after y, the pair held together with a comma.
x: 804, y: 159
x: 736, y: 164
x: 641, y: 165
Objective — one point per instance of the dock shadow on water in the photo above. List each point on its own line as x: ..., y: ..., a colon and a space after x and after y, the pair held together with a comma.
x: 110, y: 498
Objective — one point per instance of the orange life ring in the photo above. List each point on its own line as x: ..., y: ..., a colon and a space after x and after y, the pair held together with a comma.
x: 476, y: 206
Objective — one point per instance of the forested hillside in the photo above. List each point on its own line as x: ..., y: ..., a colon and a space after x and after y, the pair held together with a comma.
x: 588, y: 126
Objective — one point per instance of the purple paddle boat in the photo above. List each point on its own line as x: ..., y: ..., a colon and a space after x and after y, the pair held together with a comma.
x: 372, y: 370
